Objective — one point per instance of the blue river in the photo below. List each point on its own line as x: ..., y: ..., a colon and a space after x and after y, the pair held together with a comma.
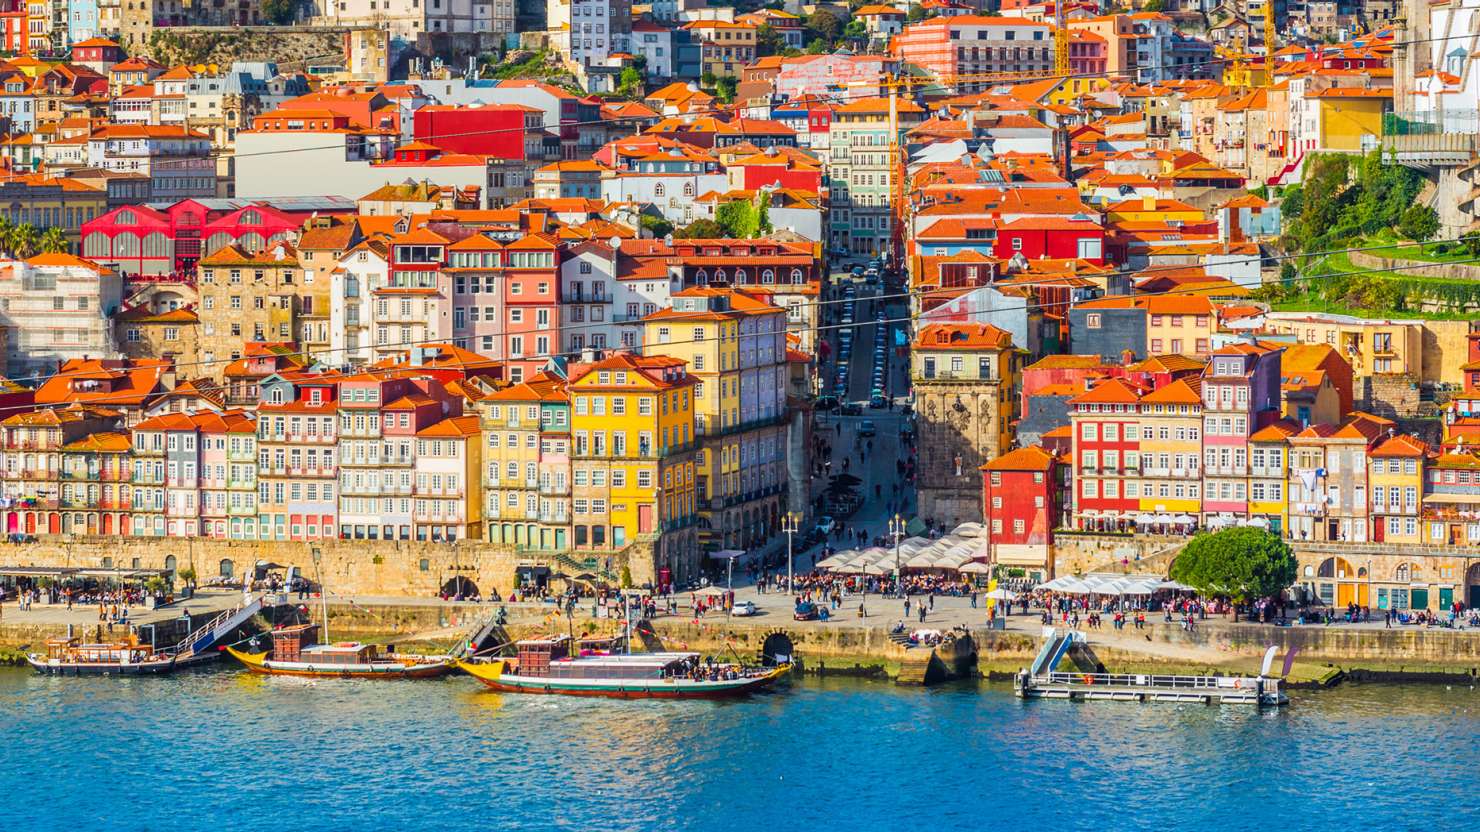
x: 222, y: 750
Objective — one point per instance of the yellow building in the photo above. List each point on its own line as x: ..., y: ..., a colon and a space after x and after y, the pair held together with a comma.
x: 1153, y: 210
x: 1395, y: 472
x: 735, y: 347
x: 1170, y: 449
x: 1269, y: 457
x: 1347, y: 115
x: 526, y: 447
x: 632, y: 459
x: 1373, y: 346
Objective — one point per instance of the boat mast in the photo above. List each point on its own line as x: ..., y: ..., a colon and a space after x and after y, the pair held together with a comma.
x: 323, y: 591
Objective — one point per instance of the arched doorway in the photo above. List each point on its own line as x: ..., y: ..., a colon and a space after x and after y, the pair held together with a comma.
x: 1472, y: 584
x: 227, y: 568
x: 169, y: 565
x: 30, y: 522
x: 459, y: 588
x: 1338, y: 584
x: 54, y: 523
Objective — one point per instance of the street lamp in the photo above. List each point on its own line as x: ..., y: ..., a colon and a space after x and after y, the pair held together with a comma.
x: 896, y: 528
x: 791, y: 524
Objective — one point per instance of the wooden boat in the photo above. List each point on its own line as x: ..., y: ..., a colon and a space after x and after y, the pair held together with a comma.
x: 545, y: 666
x: 296, y: 652
x: 71, y: 657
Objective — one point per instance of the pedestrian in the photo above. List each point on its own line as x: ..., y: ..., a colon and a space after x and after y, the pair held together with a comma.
x: 932, y: 602
x: 973, y: 599
x: 922, y: 613
x: 906, y: 606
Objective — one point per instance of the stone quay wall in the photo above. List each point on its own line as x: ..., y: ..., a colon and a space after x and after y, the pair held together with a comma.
x: 349, y: 567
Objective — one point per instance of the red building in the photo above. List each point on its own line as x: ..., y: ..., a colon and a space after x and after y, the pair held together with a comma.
x: 1052, y: 237
x: 138, y: 240
x: 13, y: 13
x: 97, y: 51
x: 507, y: 131
x: 1018, y: 493
x: 531, y: 295
x: 1106, y: 428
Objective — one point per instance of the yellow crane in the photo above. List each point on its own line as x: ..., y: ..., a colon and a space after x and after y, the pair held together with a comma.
x: 1268, y: 43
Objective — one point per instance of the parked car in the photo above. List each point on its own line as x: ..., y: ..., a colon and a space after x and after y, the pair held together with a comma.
x: 805, y: 611
x: 867, y: 428
x: 850, y: 409
x: 877, y: 401
x: 826, y: 403
x: 826, y: 524
x: 745, y: 608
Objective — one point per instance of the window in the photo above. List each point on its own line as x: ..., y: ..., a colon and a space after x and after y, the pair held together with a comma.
x: 1092, y: 320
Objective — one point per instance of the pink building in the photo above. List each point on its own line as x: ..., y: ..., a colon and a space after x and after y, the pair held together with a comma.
x: 1241, y: 394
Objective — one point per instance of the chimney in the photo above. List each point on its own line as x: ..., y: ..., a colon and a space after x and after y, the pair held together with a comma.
x: 1148, y: 203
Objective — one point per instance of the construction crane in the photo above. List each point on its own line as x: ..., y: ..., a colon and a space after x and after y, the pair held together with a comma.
x: 1268, y: 43
x: 1060, y: 42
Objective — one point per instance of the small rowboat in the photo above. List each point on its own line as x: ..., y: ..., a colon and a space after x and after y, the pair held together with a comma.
x: 295, y: 653
x: 543, y: 667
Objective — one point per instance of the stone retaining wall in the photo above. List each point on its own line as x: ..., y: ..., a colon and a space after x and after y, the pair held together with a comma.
x: 1418, y: 268
x: 350, y: 567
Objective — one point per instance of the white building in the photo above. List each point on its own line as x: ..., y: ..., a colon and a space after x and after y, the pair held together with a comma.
x: 362, y: 270
x: 57, y: 307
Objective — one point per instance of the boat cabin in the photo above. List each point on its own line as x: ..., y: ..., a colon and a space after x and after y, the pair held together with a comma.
x: 536, y: 654
x: 73, y: 651
x: 289, y: 642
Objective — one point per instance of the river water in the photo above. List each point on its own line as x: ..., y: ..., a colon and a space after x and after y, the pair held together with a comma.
x: 222, y: 750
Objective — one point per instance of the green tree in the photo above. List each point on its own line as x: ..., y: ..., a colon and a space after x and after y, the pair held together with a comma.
x: 855, y: 29
x: 53, y: 241
x: 280, y: 12
x: 21, y: 240
x: 763, y: 216
x: 657, y: 226
x: 1152, y: 6
x: 1470, y: 242
x: 629, y: 83
x: 825, y: 24
x: 701, y: 230
x: 725, y: 87
x: 738, y: 218
x: 818, y: 46
x: 1243, y: 564
x: 768, y: 41
x: 1419, y: 223
x: 915, y: 14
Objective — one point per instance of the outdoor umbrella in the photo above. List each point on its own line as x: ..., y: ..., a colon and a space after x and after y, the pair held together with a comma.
x: 968, y: 530
x: 874, y: 569
x: 924, y: 560
x: 1000, y: 594
x: 976, y: 567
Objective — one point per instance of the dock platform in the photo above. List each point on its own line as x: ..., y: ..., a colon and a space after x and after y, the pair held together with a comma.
x: 1092, y: 682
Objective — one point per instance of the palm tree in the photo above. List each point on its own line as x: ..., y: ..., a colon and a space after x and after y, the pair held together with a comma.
x: 5, y: 228
x: 53, y: 241
x: 22, y: 240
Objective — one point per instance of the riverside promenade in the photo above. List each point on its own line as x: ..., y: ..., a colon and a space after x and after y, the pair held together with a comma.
x: 845, y: 641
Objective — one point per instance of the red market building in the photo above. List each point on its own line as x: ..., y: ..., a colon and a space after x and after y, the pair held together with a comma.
x: 142, y: 241
x: 1018, y: 493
